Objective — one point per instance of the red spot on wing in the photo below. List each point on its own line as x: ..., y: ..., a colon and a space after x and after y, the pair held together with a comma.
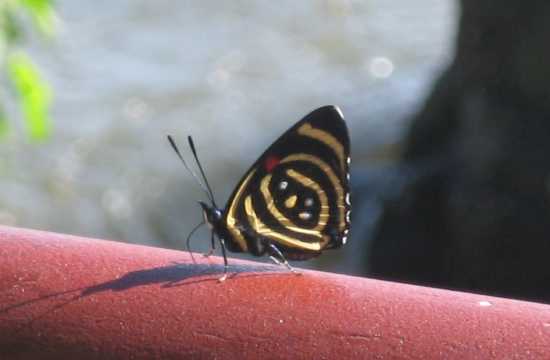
x: 271, y: 162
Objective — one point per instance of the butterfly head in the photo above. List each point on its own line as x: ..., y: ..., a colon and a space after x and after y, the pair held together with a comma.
x: 212, y: 215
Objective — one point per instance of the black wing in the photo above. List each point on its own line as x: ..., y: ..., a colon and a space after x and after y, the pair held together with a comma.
x: 296, y: 194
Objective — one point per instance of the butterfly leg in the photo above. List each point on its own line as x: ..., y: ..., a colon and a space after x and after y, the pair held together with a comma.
x: 211, y: 251
x: 275, y: 251
x: 275, y: 260
x: 225, y: 265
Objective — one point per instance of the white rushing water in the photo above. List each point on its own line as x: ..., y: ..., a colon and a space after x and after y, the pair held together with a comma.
x: 234, y: 74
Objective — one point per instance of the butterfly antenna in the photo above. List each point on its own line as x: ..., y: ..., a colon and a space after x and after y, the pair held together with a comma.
x: 188, y: 240
x: 204, y: 188
x: 192, y: 146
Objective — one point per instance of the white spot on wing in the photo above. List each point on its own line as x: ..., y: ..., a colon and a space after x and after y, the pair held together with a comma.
x: 348, y: 214
x: 344, y: 239
x: 308, y: 202
x: 348, y: 201
x: 283, y: 185
x: 304, y: 215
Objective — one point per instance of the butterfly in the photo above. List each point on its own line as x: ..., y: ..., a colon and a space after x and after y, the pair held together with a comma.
x: 294, y: 201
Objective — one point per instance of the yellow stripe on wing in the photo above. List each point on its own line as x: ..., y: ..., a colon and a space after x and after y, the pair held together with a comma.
x: 231, y: 220
x: 283, y: 220
x: 332, y: 177
x: 327, y: 139
x: 310, y: 183
x: 265, y: 231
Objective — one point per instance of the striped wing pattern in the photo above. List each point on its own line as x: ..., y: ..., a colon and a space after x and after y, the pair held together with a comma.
x: 296, y: 195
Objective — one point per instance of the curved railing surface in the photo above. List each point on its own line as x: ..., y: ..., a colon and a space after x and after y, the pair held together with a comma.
x: 63, y: 296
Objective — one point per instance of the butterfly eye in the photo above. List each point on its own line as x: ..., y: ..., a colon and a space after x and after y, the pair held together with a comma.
x: 283, y: 185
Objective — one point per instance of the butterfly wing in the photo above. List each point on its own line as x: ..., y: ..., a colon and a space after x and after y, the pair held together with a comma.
x: 296, y: 195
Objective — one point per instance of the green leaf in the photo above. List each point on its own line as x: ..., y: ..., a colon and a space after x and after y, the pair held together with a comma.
x: 42, y: 13
x: 11, y: 29
x: 34, y: 95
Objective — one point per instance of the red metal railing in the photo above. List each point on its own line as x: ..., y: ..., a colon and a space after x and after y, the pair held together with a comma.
x: 65, y: 297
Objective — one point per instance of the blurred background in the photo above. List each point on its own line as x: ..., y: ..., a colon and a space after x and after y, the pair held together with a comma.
x: 235, y: 75
x: 446, y: 102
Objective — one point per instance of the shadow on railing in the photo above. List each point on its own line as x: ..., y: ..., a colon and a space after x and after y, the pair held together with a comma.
x: 64, y: 296
x: 166, y: 276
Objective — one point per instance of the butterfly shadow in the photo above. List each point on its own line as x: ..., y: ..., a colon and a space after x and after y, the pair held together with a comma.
x: 176, y: 274
x: 179, y: 274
